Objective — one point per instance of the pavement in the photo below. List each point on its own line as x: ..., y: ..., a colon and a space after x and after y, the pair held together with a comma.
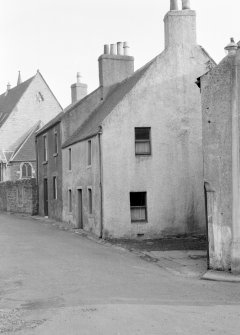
x: 182, y: 255
x: 55, y: 280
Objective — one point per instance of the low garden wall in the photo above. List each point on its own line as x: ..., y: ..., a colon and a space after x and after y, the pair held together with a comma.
x: 19, y: 196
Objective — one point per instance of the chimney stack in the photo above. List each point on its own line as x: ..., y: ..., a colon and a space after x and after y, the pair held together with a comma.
x: 19, y: 81
x: 115, y: 64
x: 180, y: 25
x: 78, y: 90
x: 232, y: 47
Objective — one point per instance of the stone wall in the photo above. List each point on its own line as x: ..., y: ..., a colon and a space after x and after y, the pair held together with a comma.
x: 20, y: 196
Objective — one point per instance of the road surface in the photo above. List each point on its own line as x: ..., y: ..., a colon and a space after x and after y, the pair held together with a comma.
x: 57, y: 282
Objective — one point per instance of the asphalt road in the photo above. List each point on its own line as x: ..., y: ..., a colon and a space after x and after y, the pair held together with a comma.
x: 57, y: 282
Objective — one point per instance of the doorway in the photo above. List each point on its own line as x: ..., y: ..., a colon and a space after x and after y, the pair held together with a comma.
x: 80, y: 209
x: 45, y: 196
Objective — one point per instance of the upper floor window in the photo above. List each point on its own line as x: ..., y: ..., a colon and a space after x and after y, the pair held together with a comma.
x: 142, y: 141
x: 26, y: 170
x: 89, y: 153
x: 45, y: 148
x: 69, y: 159
x: 55, y: 134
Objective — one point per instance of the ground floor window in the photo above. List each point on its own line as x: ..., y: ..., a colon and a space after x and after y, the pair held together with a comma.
x: 138, y: 206
x: 90, y: 209
x: 70, y: 201
x: 54, y: 187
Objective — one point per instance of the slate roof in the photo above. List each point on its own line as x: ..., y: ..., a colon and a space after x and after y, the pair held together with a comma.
x: 91, y: 126
x: 9, y: 100
x: 24, y: 148
x: 51, y: 123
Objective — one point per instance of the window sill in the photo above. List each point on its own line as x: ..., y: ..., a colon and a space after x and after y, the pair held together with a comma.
x: 89, y: 166
x: 45, y: 162
x: 55, y: 155
x: 139, y: 222
x: 143, y: 154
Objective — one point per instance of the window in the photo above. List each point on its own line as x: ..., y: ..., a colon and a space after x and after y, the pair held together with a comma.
x: 45, y: 148
x: 70, y: 201
x: 70, y: 159
x: 138, y: 206
x: 55, y: 142
x: 54, y: 187
x: 26, y: 170
x: 142, y: 141
x: 89, y: 152
x: 90, y: 201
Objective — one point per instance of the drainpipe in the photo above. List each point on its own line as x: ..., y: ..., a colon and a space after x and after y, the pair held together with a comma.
x: 101, y: 177
x: 235, y: 252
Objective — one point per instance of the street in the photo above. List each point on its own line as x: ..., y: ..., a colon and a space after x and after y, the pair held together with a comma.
x: 57, y: 282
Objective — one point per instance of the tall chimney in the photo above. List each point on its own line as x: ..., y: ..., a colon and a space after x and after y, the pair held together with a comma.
x: 115, y: 66
x: 78, y: 90
x: 180, y: 25
x: 19, y: 81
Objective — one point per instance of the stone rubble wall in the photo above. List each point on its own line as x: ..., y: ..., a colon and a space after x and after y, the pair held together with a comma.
x: 19, y: 196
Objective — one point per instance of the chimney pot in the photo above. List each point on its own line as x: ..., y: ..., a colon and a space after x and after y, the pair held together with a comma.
x: 79, y: 77
x: 231, y: 47
x: 106, y: 49
x: 186, y: 4
x: 173, y: 4
x: 120, y: 48
x: 113, y: 49
x: 126, y: 48
x: 8, y: 86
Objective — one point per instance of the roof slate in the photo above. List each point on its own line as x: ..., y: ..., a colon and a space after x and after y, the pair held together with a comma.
x: 91, y: 126
x: 9, y: 100
x: 25, y: 147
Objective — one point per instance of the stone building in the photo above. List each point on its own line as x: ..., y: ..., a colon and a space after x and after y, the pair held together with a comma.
x: 132, y: 151
x: 49, y: 156
x: 23, y: 110
x: 220, y: 90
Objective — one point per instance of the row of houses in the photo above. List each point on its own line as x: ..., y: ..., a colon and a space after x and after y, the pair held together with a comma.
x: 125, y: 161
x: 150, y: 153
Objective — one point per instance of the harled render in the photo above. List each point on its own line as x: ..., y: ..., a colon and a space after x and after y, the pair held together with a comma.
x: 220, y: 89
x: 23, y: 110
x: 132, y: 151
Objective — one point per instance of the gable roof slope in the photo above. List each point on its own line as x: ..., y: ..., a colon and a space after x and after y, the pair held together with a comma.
x: 91, y: 126
x: 8, y: 100
x: 25, y: 149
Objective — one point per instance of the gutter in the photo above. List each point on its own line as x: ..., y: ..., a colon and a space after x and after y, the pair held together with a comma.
x: 101, y: 178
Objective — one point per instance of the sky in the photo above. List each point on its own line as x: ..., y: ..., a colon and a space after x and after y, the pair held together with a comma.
x: 63, y: 37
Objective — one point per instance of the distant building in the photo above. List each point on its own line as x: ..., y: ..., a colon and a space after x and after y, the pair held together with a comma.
x: 49, y: 157
x: 132, y: 151
x: 220, y: 89
x: 23, y: 110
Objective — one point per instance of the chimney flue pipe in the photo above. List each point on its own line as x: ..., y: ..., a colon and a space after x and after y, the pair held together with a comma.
x: 173, y: 4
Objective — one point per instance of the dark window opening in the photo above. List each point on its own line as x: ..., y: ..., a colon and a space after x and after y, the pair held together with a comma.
x: 55, y: 142
x: 142, y: 141
x: 54, y: 187
x: 138, y: 206
x: 45, y: 149
x: 90, y: 201
x: 26, y: 170
x: 89, y: 152
x: 70, y: 201
x: 69, y: 159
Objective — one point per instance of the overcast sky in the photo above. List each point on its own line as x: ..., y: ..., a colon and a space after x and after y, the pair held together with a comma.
x: 61, y: 37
